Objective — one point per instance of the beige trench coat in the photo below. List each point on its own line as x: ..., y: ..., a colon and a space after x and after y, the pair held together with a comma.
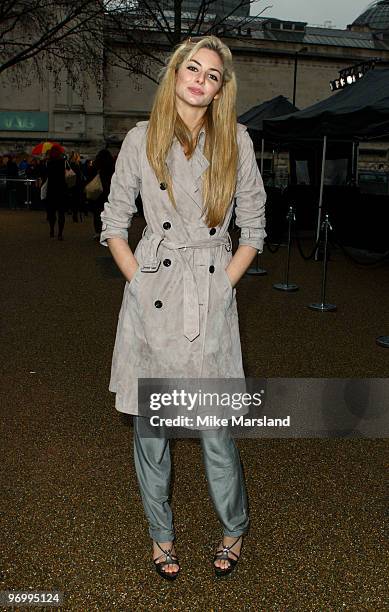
x: 179, y: 316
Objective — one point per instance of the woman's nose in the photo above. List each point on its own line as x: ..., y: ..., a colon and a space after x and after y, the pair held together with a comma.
x: 200, y: 77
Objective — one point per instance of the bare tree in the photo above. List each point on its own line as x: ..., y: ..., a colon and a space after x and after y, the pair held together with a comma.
x: 136, y: 39
x: 75, y: 40
x: 37, y: 36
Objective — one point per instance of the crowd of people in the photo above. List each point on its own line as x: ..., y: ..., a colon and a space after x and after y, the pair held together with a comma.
x: 60, y: 197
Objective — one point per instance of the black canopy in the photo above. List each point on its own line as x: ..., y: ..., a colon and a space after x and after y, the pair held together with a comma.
x: 275, y: 107
x: 359, y: 111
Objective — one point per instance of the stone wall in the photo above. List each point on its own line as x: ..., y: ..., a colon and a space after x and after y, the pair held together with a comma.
x: 264, y: 69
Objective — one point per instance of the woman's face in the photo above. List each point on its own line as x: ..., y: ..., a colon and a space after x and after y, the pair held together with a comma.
x: 199, y: 80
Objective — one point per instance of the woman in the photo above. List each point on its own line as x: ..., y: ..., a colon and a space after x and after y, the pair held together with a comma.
x: 76, y: 192
x: 179, y: 315
x: 57, y: 191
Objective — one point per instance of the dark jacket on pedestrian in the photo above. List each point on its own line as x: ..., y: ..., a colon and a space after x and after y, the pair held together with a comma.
x: 56, y: 186
x: 105, y: 166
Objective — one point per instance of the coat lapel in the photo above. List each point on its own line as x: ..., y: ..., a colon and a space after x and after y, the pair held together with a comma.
x: 187, y: 174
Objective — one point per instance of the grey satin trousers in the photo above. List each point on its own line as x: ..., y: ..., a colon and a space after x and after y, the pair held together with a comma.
x: 224, y: 475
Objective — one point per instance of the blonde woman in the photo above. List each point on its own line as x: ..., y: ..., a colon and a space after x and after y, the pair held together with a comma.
x: 179, y: 315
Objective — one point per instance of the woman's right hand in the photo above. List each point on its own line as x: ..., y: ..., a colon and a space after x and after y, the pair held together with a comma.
x: 134, y: 272
x: 123, y: 256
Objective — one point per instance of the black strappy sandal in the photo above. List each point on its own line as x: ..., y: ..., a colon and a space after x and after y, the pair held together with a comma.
x: 169, y: 560
x: 223, y: 554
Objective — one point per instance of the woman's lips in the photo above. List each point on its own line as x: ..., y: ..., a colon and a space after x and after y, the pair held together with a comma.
x: 195, y: 91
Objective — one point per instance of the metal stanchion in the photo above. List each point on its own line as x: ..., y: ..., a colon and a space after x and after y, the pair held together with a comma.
x: 28, y: 192
x: 383, y: 341
x: 323, y: 307
x: 27, y: 183
x: 257, y: 271
x: 287, y: 286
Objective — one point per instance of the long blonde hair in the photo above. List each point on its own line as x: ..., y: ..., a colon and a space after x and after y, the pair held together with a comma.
x: 220, y: 147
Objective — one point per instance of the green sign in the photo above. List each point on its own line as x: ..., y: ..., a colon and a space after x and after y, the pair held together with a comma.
x: 14, y: 121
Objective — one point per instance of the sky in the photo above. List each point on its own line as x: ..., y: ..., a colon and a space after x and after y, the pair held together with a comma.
x: 315, y: 12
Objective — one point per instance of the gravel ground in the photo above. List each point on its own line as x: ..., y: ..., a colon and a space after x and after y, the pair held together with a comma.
x: 72, y: 517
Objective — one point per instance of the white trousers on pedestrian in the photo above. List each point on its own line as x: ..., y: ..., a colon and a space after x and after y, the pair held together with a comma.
x: 223, y: 471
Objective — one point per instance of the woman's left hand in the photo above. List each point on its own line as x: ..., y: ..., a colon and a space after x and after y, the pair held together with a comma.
x: 239, y: 263
x: 229, y: 278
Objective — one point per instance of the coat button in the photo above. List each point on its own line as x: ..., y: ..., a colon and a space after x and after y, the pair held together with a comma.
x: 212, y: 231
x: 166, y: 262
x: 166, y: 225
x: 212, y: 269
x: 162, y: 186
x: 158, y: 304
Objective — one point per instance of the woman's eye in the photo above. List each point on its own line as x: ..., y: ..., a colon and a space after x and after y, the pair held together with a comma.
x: 214, y: 77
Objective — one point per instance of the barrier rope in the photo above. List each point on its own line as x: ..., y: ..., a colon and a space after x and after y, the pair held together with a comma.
x: 312, y: 253
x: 277, y: 246
x: 335, y: 243
x: 377, y: 261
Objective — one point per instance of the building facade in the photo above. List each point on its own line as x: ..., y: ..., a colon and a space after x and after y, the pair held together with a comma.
x: 266, y: 52
x: 219, y: 7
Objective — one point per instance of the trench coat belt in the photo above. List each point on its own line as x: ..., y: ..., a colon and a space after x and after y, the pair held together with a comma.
x: 191, y: 295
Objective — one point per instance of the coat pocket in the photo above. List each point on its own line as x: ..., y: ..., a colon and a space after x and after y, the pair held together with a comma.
x: 139, y: 258
x: 228, y: 290
x: 135, y: 278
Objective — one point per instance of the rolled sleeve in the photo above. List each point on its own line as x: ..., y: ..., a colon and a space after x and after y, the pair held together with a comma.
x: 250, y: 196
x: 120, y: 207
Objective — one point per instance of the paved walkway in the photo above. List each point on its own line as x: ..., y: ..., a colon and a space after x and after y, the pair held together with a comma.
x: 72, y: 514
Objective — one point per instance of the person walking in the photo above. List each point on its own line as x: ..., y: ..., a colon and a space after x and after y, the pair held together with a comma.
x: 179, y: 316
x: 76, y: 192
x: 57, y: 191
x: 104, y: 165
x: 12, y: 174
